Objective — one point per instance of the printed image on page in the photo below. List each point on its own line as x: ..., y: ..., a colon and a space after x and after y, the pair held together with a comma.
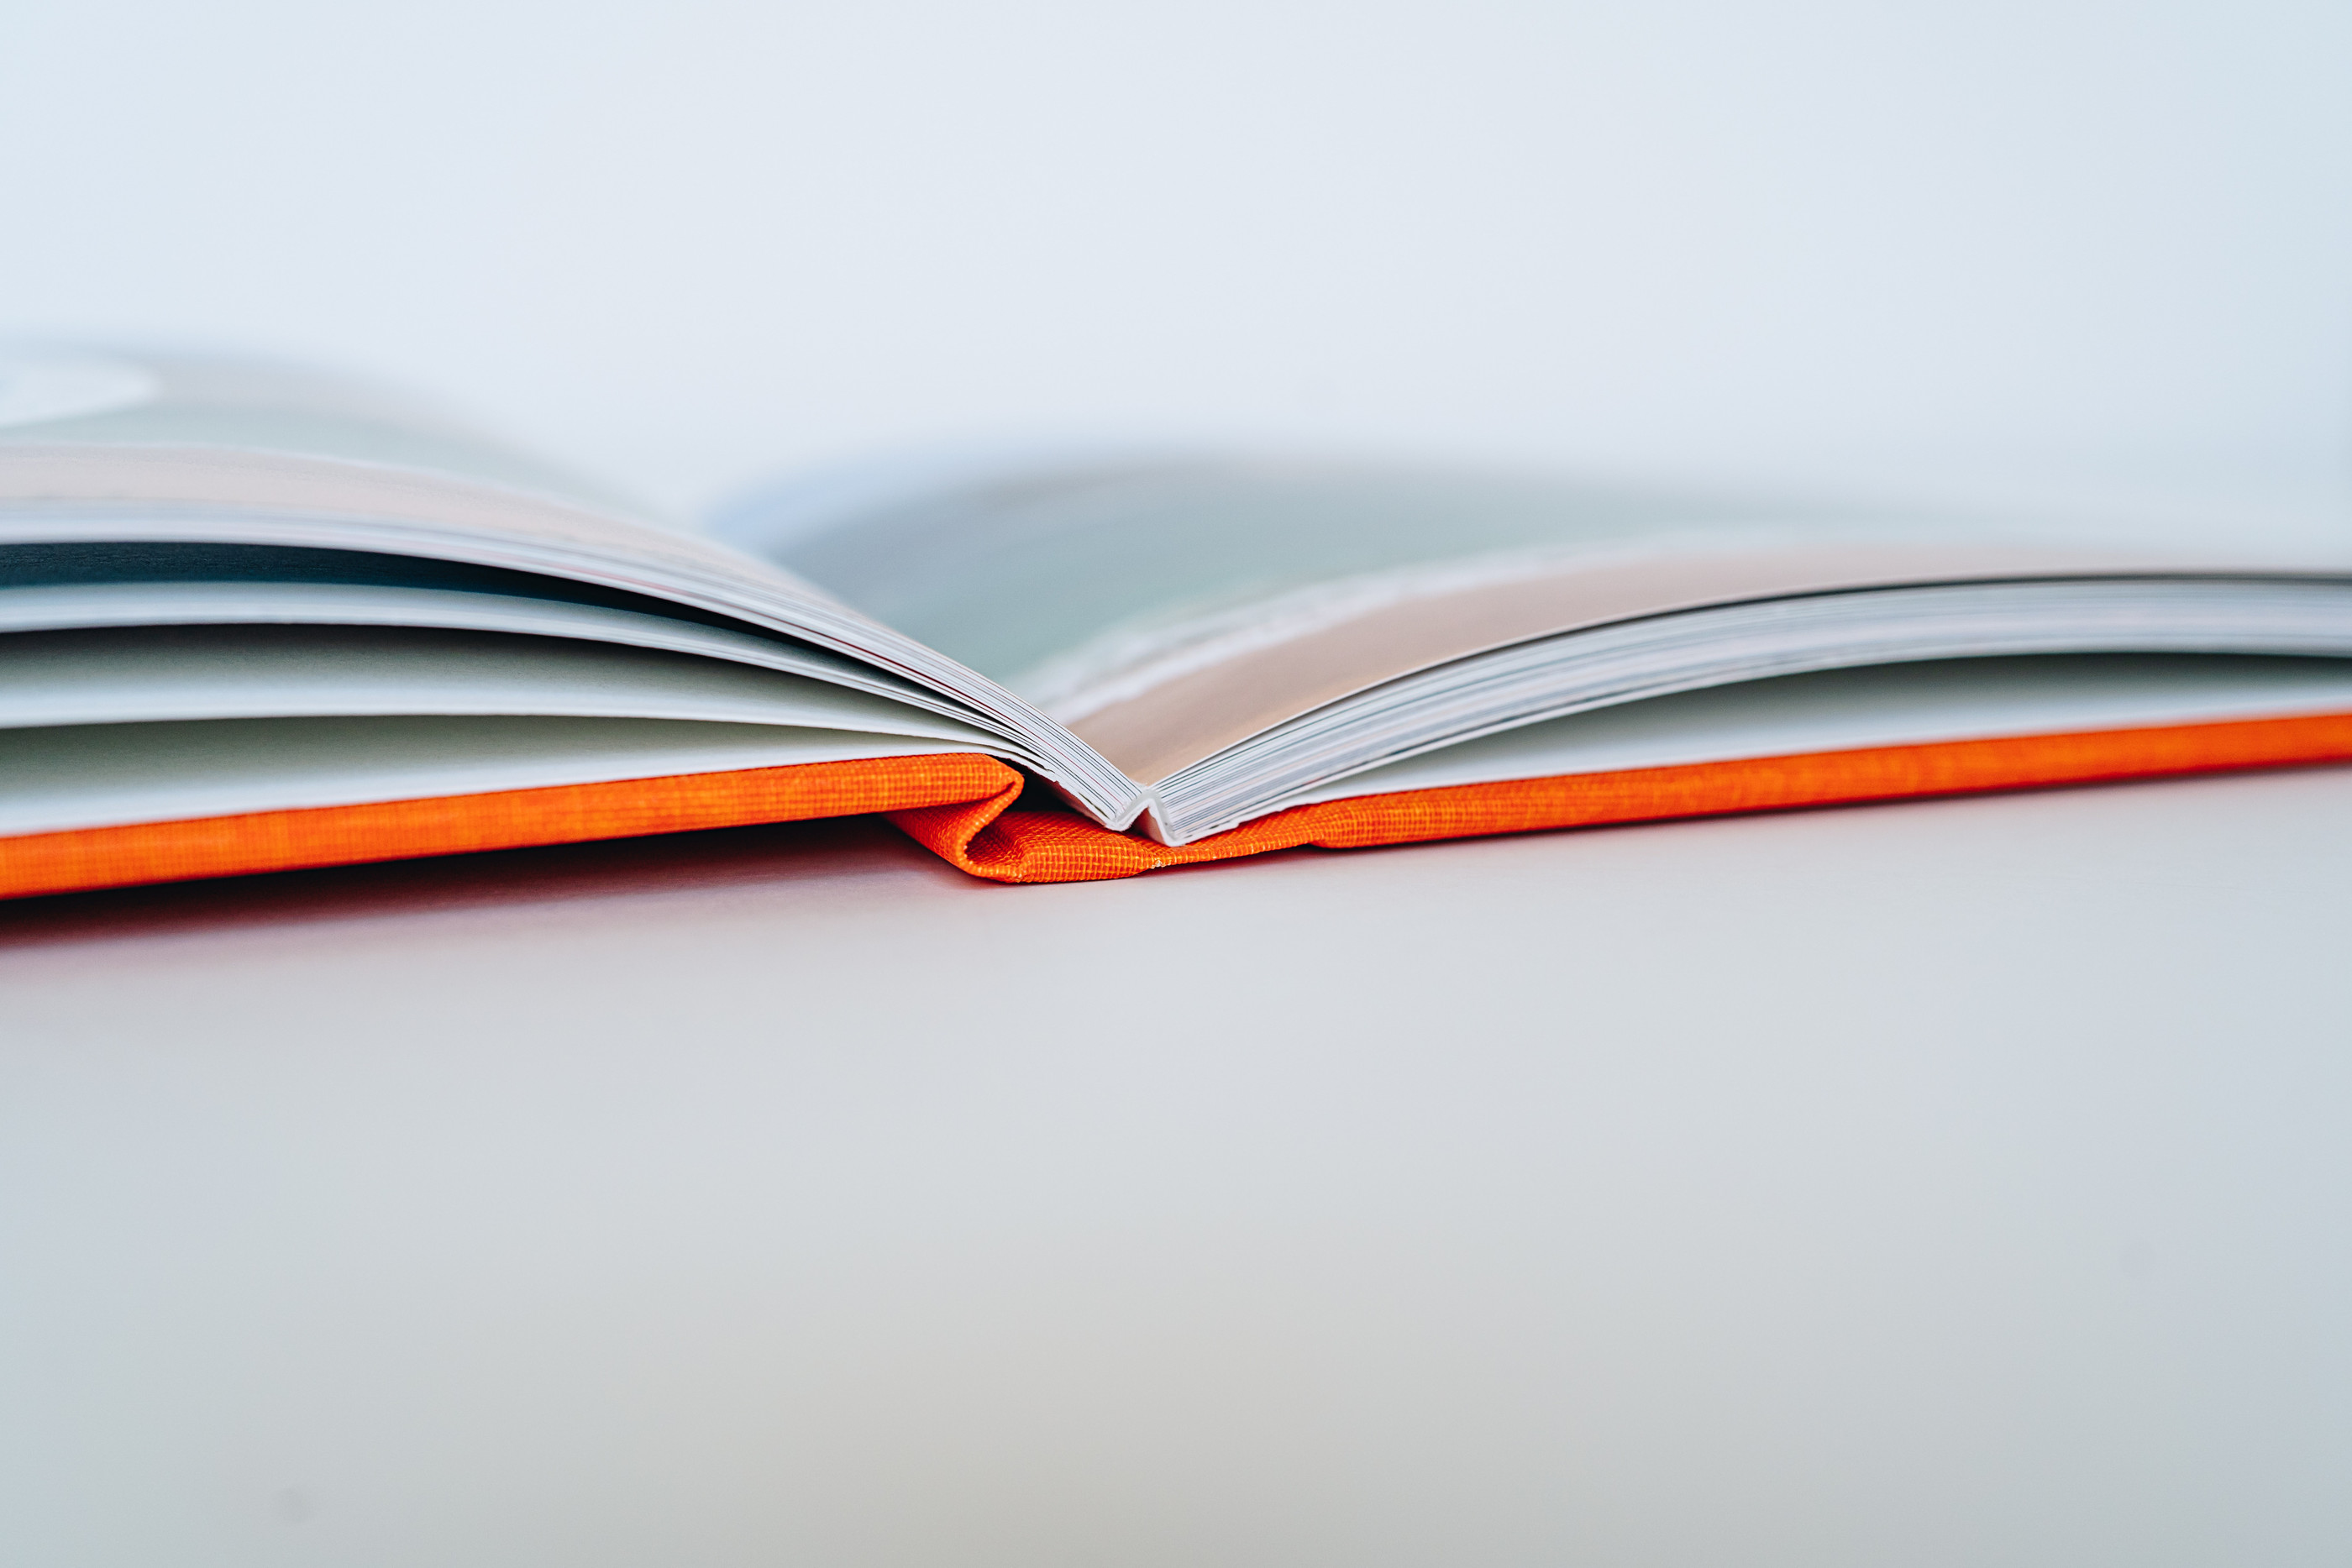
x: 1166, y: 610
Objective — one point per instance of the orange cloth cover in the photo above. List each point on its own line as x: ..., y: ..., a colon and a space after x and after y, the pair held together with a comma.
x: 962, y: 806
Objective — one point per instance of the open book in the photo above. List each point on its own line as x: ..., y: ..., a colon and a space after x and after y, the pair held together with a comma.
x: 253, y: 619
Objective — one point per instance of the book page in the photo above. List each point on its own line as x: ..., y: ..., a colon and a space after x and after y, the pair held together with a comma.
x: 1889, y: 704
x: 134, y: 675
x: 126, y: 452
x: 105, y: 775
x: 1168, y: 611
x: 309, y: 460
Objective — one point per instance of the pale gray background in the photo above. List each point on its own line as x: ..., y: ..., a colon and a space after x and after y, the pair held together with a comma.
x: 692, y: 240
x: 1955, y: 1183
x: 1962, y: 1182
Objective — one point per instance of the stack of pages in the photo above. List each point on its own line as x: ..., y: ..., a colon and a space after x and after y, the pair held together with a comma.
x: 253, y: 619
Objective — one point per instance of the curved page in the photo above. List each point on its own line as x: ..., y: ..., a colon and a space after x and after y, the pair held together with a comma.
x: 106, y: 775
x: 82, y: 606
x: 1897, y: 704
x: 1171, y: 611
x: 145, y: 673
x: 1734, y: 645
x: 209, y: 452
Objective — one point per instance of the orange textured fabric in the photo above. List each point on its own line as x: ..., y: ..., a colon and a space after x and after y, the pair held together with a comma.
x: 452, y: 824
x: 988, y: 839
x: 962, y: 806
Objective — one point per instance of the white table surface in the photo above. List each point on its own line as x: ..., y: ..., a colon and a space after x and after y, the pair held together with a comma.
x: 1955, y: 1182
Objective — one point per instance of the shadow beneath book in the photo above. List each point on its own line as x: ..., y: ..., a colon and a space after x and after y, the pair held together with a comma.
x: 788, y: 855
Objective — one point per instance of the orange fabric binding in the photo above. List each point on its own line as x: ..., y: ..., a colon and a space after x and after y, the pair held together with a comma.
x: 962, y: 807
x: 987, y: 840
x: 398, y: 829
